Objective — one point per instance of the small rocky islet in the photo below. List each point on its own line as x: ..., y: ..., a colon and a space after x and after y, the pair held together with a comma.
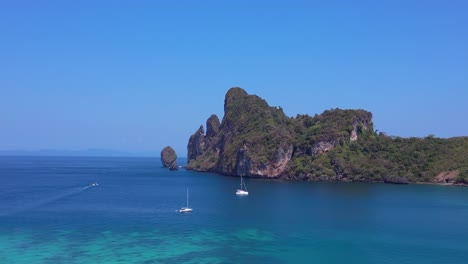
x: 169, y: 158
x: 257, y: 140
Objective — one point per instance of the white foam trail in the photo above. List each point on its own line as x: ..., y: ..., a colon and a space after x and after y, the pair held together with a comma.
x: 46, y: 201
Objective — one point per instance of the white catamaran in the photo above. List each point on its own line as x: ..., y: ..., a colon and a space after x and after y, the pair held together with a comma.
x: 243, y: 188
x: 186, y: 209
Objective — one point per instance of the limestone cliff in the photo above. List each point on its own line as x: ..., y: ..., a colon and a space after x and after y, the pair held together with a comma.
x: 257, y: 140
x: 169, y: 158
x: 251, y: 140
x: 203, y: 150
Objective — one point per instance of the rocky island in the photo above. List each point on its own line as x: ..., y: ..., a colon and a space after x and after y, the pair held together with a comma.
x: 257, y: 140
x: 169, y: 158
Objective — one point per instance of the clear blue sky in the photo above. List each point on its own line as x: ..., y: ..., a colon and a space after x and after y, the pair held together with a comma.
x: 139, y: 76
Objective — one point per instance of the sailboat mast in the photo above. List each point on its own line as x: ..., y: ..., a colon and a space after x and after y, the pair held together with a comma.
x: 243, y: 187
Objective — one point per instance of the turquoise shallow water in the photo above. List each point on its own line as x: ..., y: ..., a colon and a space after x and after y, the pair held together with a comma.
x: 49, y: 215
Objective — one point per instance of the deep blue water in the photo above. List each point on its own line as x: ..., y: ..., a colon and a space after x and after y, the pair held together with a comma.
x: 48, y: 214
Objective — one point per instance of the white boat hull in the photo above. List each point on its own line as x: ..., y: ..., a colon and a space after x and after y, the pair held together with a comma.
x: 185, y: 210
x: 242, y: 192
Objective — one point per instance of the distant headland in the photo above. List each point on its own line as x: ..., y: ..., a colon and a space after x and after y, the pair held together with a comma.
x: 256, y: 140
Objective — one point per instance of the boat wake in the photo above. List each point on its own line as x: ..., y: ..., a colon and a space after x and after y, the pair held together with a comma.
x: 47, y: 200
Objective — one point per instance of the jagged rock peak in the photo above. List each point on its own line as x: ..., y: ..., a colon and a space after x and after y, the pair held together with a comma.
x: 196, y: 144
x: 237, y: 99
x: 169, y: 158
x: 200, y: 130
x: 212, y: 126
x: 235, y: 93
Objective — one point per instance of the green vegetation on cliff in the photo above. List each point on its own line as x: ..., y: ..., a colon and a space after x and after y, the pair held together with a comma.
x: 255, y: 139
x: 249, y: 121
x: 382, y: 158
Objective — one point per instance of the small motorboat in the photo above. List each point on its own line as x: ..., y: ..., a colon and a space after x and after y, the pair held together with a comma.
x: 94, y: 184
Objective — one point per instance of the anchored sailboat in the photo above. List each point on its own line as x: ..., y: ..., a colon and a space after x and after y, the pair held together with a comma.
x: 186, y: 209
x: 243, y: 188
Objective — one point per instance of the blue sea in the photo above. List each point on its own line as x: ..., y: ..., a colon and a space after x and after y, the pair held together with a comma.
x: 49, y: 213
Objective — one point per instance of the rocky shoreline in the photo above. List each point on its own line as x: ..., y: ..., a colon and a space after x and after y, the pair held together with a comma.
x: 327, y: 181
